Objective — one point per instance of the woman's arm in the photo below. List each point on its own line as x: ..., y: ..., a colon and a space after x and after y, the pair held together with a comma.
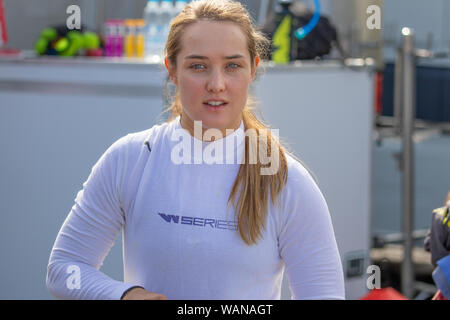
x: 307, y: 242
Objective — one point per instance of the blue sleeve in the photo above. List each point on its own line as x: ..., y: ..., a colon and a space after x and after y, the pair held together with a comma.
x: 441, y: 276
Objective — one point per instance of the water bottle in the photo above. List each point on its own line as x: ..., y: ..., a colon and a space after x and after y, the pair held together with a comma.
x: 167, y: 10
x: 152, y: 17
x: 179, y: 6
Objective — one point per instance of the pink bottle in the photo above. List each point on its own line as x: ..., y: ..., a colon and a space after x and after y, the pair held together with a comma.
x: 119, y: 38
x: 114, y: 33
x: 110, y: 28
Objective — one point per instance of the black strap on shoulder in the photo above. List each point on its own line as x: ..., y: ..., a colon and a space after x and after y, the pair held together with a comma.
x: 148, y: 146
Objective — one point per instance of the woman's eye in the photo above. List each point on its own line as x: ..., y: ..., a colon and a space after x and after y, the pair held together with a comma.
x: 197, y: 66
x: 233, y: 65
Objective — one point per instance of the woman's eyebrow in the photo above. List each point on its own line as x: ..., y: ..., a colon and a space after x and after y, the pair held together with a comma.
x: 194, y: 56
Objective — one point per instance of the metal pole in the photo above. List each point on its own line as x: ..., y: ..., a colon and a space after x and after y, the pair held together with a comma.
x: 409, y: 94
x: 263, y: 12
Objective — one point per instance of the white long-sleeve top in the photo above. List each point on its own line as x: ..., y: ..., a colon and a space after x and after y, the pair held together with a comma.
x: 180, y: 238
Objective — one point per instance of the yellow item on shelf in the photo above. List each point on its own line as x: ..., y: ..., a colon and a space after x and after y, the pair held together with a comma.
x: 130, y: 38
x: 140, y: 38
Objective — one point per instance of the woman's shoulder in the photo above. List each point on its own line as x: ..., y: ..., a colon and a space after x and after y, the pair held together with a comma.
x: 144, y: 138
x: 302, y: 185
x: 298, y: 172
x: 302, y: 200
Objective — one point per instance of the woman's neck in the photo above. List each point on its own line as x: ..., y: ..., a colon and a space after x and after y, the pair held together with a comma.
x: 188, y: 124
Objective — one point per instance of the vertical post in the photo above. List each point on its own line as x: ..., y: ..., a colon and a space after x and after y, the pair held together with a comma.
x: 409, y: 95
x: 263, y: 12
x: 89, y: 14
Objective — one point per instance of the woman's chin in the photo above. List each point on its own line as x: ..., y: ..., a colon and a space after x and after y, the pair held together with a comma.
x: 220, y: 124
x: 220, y: 121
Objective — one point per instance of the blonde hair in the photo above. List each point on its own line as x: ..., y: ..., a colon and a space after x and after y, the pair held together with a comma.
x: 251, y: 207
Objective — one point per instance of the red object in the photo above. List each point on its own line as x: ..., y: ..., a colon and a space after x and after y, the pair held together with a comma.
x: 9, y: 52
x: 3, y: 30
x: 378, y: 93
x: 94, y: 52
x: 384, y: 294
x: 439, y: 296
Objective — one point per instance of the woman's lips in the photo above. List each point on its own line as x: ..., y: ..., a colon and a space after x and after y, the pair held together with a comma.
x: 215, y: 108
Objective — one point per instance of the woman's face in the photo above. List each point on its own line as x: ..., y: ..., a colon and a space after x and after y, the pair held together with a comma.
x: 213, y: 67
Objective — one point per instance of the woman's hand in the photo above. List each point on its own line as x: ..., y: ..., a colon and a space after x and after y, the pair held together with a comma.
x: 142, y: 294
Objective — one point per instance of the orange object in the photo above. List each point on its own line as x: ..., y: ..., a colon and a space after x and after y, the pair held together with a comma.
x: 140, y: 38
x: 439, y: 296
x: 384, y: 294
x: 130, y: 38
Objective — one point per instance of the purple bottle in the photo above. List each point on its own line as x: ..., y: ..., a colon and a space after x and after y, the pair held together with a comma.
x: 120, y: 27
x: 114, y: 33
x: 110, y: 30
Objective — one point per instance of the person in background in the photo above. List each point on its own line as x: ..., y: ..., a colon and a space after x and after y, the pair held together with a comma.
x: 437, y: 242
x: 201, y: 226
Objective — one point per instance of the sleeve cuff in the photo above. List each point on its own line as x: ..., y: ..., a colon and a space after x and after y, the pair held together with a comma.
x: 122, y: 289
x: 130, y: 288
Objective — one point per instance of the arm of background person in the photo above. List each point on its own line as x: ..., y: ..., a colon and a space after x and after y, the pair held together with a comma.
x: 441, y: 276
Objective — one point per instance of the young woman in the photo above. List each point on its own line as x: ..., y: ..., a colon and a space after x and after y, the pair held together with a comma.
x: 199, y: 224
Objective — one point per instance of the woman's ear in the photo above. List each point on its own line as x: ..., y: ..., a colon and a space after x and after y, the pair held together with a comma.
x: 255, y: 66
x: 171, y: 71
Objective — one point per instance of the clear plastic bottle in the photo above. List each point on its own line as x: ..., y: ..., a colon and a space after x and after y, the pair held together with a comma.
x: 179, y: 6
x: 167, y: 11
x: 152, y: 17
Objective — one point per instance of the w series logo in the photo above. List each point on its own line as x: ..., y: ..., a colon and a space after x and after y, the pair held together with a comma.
x: 199, y: 222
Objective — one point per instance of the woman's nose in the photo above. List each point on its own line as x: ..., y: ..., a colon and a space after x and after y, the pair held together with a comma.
x: 216, y: 81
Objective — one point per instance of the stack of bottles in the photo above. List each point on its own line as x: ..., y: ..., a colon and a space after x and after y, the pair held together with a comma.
x: 134, y: 38
x: 125, y: 38
x: 158, y: 15
x: 143, y: 38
